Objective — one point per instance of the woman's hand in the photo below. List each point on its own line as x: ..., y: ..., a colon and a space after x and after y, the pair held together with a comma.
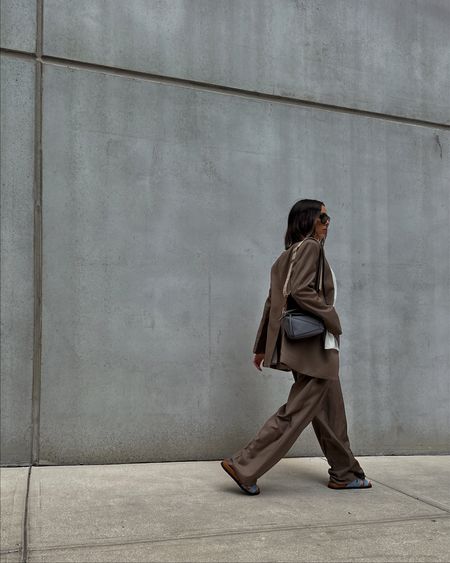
x: 257, y: 360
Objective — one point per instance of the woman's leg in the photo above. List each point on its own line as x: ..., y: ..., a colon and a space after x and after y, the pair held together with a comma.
x: 281, y: 430
x: 330, y: 426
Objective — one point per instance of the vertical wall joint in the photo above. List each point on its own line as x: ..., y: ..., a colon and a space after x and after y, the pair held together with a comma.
x: 37, y: 240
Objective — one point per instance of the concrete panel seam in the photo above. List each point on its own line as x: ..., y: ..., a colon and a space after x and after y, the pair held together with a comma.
x: 39, y: 27
x: 246, y: 531
x: 17, y: 54
x: 228, y: 90
x: 11, y: 550
x: 37, y: 244
x: 432, y: 503
x: 18, y: 464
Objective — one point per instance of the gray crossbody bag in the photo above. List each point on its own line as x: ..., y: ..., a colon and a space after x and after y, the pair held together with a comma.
x: 298, y: 325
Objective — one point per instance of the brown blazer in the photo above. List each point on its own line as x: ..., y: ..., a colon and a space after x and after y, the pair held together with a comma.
x: 308, y: 355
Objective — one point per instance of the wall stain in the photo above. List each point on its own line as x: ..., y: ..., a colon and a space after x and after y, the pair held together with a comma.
x: 438, y: 142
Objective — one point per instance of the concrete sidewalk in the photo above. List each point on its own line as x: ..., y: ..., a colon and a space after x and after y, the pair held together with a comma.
x: 194, y: 512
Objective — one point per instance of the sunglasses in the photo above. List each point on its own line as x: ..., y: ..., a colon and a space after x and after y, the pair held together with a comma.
x: 324, y: 218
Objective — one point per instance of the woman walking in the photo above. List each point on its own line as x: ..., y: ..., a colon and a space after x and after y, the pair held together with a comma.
x: 301, y: 279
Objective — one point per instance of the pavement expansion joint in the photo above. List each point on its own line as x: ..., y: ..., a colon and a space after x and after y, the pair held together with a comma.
x: 116, y: 542
x: 24, y: 547
x: 429, y: 502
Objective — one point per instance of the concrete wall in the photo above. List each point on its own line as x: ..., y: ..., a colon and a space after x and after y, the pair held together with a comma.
x: 176, y: 136
x: 16, y: 273
x: 388, y: 56
x: 18, y: 25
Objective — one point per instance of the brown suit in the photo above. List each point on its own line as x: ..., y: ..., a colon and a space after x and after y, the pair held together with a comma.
x: 307, y: 356
x: 316, y: 395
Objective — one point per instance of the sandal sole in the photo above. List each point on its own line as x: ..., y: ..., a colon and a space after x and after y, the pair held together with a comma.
x: 332, y: 485
x: 229, y: 471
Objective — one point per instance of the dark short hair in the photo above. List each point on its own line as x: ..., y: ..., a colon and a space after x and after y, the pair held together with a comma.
x: 301, y: 220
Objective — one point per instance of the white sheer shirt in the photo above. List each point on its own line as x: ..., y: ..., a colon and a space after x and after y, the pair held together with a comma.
x: 331, y: 342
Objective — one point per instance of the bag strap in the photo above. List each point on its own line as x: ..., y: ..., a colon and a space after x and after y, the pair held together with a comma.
x: 320, y: 274
x: 288, y: 277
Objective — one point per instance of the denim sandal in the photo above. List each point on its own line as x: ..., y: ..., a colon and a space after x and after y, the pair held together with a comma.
x: 249, y: 489
x: 356, y: 484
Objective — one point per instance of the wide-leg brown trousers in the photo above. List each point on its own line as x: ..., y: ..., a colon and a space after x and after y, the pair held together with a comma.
x: 310, y: 399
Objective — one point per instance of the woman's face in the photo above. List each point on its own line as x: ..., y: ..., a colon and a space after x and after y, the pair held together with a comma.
x: 321, y: 230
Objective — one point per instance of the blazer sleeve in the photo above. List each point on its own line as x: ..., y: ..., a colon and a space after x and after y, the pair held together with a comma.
x: 303, y: 291
x: 261, y: 336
